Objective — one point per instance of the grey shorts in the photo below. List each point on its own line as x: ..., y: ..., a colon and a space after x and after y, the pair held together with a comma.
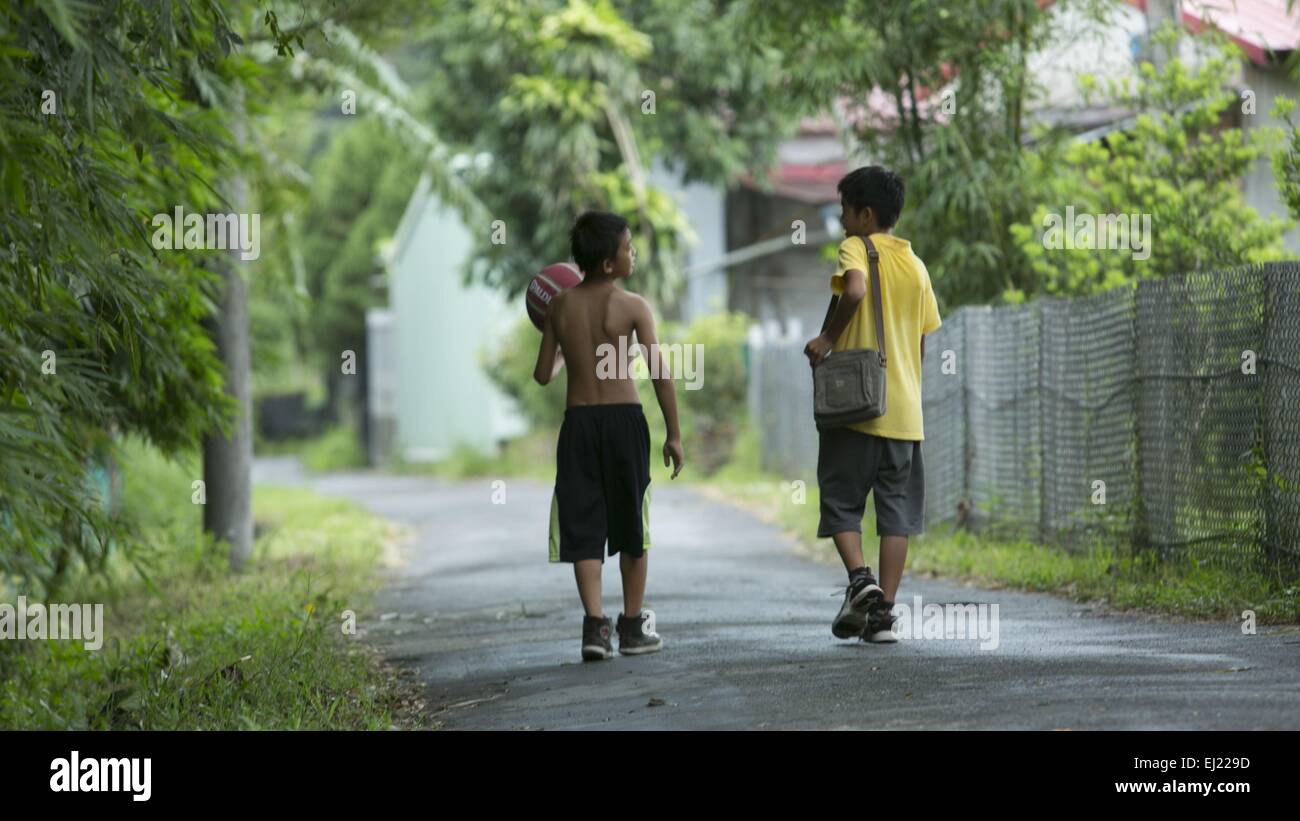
x: 850, y: 463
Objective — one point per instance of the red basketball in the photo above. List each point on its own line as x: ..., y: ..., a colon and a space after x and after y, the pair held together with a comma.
x: 548, y: 282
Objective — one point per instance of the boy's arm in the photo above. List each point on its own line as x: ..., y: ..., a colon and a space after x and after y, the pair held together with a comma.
x: 550, y: 359
x: 643, y: 322
x: 930, y: 320
x: 855, y: 290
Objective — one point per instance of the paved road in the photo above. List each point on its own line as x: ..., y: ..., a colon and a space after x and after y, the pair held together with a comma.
x: 493, y: 631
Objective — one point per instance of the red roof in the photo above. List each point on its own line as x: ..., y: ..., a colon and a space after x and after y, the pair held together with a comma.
x: 815, y: 182
x: 807, y: 183
x: 1261, y: 27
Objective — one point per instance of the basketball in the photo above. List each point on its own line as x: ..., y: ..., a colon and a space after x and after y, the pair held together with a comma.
x: 548, y: 282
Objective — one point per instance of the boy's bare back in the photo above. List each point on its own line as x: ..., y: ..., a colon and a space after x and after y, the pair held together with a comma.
x: 589, y: 320
x: 598, y: 328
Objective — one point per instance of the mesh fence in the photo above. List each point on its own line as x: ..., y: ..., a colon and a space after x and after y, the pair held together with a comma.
x: 1162, y: 418
x: 1281, y: 413
x: 780, y: 398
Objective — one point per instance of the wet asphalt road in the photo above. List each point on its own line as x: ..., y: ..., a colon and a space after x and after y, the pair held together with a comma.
x: 493, y: 630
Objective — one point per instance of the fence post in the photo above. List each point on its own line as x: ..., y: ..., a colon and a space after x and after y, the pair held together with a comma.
x: 1141, y: 527
x: 965, y: 502
x: 757, y: 413
x: 1042, y: 443
x: 1263, y: 360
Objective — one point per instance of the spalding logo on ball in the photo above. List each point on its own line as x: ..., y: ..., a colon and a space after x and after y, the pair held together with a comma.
x: 560, y: 276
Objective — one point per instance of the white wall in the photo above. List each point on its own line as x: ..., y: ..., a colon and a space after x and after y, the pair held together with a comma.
x: 1260, y: 185
x: 704, y: 207
x: 443, y: 396
x: 1106, y: 48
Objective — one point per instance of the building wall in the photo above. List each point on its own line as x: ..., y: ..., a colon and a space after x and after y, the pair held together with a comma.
x: 1260, y: 185
x: 381, y: 387
x: 1078, y: 45
x: 704, y: 208
x: 1110, y: 49
x: 794, y: 284
x: 443, y: 397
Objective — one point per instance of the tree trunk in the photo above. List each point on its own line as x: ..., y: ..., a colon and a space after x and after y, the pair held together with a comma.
x: 228, y: 461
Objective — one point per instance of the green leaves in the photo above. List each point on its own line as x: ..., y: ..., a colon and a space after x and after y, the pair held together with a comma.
x: 1173, y: 163
x: 68, y: 17
x: 98, y: 332
x: 939, y: 97
x: 576, y: 101
x: 283, y: 41
x: 1286, y: 159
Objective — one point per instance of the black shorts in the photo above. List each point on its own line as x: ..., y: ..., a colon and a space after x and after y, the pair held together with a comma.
x: 602, y: 483
x: 850, y: 463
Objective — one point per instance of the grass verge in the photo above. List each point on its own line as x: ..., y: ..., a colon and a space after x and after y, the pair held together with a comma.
x: 531, y: 456
x: 335, y: 449
x: 189, y: 645
x: 1101, y: 574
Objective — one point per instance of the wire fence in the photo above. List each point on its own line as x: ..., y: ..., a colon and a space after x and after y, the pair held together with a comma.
x: 1164, y: 417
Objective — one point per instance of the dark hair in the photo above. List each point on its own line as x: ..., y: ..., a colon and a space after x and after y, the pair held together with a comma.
x: 595, y: 238
x: 874, y: 186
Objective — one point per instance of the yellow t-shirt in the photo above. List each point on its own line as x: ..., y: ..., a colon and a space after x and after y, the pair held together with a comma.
x: 910, y: 310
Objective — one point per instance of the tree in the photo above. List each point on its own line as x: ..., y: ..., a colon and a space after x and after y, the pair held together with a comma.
x: 573, y: 101
x: 940, y: 93
x: 1176, y: 164
x: 112, y: 114
x: 100, y: 129
x: 348, y: 148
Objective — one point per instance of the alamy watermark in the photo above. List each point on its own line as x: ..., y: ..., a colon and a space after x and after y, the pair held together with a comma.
x: 1087, y: 232
x: 77, y: 774
x: 214, y: 232
x: 951, y: 620
x: 676, y: 360
x: 56, y: 622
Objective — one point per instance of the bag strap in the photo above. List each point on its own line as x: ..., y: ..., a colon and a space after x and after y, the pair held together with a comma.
x: 873, y: 262
x: 830, y: 312
x: 878, y: 311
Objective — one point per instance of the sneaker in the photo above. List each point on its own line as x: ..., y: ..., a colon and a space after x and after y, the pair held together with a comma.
x: 637, y: 635
x: 881, y: 622
x: 858, y: 596
x: 596, y: 631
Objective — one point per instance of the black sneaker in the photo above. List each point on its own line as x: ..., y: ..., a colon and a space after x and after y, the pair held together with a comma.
x: 858, y: 597
x: 881, y: 623
x: 636, y: 635
x: 596, y: 632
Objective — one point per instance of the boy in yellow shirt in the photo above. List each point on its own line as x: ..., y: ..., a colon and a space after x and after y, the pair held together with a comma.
x: 881, y: 455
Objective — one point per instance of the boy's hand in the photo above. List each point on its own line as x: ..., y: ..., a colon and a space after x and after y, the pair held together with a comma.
x: 673, y: 451
x: 817, y: 348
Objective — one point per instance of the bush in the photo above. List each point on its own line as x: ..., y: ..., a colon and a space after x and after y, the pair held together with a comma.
x: 713, y: 415
x: 510, y: 367
x: 100, y: 334
x: 336, y: 449
x: 189, y: 645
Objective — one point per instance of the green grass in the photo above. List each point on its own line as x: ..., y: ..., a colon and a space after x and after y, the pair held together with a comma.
x: 336, y: 449
x: 190, y: 645
x: 531, y: 456
x: 1100, y: 573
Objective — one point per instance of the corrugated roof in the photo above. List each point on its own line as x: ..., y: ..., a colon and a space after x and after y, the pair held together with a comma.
x: 1263, y: 28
